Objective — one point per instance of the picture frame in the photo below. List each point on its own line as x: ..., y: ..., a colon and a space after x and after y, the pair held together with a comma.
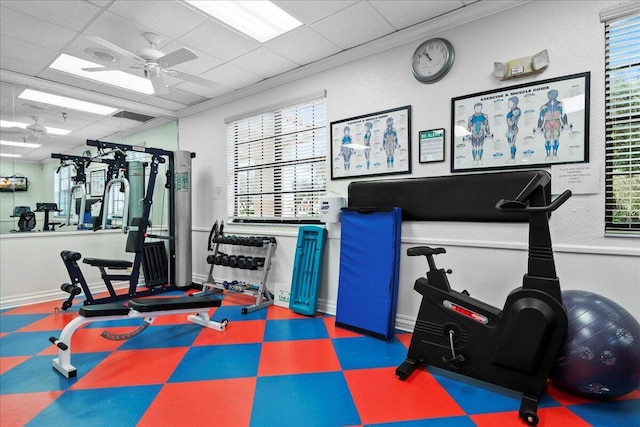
x: 431, y: 145
x: 530, y: 125
x: 97, y: 182
x: 372, y: 144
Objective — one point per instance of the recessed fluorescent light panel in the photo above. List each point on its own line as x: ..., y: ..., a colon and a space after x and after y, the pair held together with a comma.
x: 261, y: 20
x: 9, y: 155
x: 72, y: 65
x: 63, y: 101
x: 52, y: 131
x: 20, y: 144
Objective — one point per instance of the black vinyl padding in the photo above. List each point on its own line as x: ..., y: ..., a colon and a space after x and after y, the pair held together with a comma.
x: 108, y: 263
x: 111, y: 309
x: 149, y: 305
x: 146, y: 305
x: 447, y: 198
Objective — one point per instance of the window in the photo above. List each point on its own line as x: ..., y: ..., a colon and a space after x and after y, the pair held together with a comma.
x: 61, y: 186
x: 622, y: 124
x: 277, y: 163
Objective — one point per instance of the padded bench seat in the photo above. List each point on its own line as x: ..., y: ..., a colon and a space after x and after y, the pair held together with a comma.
x: 146, y: 305
x: 108, y: 263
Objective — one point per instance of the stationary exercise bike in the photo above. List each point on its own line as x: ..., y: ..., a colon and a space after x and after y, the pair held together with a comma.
x: 514, y: 347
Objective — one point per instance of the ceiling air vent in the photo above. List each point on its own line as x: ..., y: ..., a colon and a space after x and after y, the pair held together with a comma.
x: 132, y: 116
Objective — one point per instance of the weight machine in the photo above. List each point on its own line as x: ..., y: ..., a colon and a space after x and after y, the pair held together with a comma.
x: 166, y: 264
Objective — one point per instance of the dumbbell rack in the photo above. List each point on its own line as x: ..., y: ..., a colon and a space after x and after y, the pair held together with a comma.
x: 261, y: 293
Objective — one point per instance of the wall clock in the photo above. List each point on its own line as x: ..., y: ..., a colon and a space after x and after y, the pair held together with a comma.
x: 432, y: 60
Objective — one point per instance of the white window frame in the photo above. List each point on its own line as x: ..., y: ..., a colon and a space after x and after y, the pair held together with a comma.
x: 276, y: 160
x: 622, y: 119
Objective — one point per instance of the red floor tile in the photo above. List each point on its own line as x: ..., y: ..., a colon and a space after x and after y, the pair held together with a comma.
x: 375, y: 391
x: 11, y: 362
x: 276, y: 312
x: 18, y: 409
x: 335, y: 332
x: 202, y: 403
x: 38, y: 308
x: 56, y: 321
x: 297, y: 357
x: 241, y: 332
x: 549, y: 417
x: 89, y: 340
x: 133, y: 367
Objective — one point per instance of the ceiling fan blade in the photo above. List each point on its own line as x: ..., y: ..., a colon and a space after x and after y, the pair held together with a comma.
x: 115, y: 48
x: 32, y: 137
x: 177, y: 57
x: 195, y: 79
x: 94, y: 69
x: 159, y: 85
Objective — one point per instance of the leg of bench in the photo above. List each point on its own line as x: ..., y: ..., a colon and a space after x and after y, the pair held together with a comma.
x: 202, y: 318
x: 63, y: 362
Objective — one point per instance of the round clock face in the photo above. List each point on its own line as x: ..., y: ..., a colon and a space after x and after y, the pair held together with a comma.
x: 432, y: 60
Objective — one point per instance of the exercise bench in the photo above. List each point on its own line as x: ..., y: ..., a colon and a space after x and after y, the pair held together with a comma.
x: 196, y: 307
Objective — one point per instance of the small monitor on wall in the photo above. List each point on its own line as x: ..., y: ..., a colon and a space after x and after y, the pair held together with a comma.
x: 13, y: 183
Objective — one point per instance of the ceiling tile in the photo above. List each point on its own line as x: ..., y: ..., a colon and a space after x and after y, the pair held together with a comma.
x: 264, y: 63
x: 353, y: 26
x: 163, y: 17
x: 288, y: 45
x: 309, y: 12
x: 26, y: 52
x: 71, y: 14
x: 34, y: 31
x: 9, y: 63
x: 232, y: 76
x: 218, y: 40
x: 413, y: 12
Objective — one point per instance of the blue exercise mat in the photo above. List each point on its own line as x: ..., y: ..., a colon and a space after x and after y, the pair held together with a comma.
x: 307, y: 270
x: 369, y: 271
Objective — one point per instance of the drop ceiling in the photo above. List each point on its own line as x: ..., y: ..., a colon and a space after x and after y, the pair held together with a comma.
x: 34, y: 33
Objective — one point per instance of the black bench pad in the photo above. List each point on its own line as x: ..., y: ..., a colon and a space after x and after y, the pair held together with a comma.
x: 447, y: 198
x: 112, y: 309
x: 108, y: 263
x: 146, y: 305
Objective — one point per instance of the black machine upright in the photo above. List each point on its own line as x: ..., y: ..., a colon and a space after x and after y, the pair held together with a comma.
x: 514, y: 347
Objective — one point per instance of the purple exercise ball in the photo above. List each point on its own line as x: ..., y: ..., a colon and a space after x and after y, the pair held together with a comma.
x: 601, y: 355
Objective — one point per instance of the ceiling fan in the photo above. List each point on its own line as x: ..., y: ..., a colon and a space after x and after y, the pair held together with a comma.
x: 30, y: 133
x: 154, y: 63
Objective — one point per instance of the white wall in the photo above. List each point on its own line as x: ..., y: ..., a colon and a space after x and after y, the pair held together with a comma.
x: 488, y: 259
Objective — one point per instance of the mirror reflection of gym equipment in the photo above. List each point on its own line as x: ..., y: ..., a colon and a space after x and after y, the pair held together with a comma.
x: 165, y: 261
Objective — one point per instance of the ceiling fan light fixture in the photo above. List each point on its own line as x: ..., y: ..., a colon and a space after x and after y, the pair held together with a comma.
x: 261, y: 20
x: 72, y: 65
x: 63, y: 101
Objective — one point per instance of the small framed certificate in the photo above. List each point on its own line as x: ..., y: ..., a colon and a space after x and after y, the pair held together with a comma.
x: 431, y: 145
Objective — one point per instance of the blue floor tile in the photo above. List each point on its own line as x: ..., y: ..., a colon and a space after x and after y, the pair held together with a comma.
x: 309, y: 400
x: 37, y: 374
x: 234, y: 313
x: 25, y: 343
x: 121, y: 406
x: 223, y: 361
x: 14, y: 322
x: 181, y: 335
x: 368, y: 352
x: 295, y: 329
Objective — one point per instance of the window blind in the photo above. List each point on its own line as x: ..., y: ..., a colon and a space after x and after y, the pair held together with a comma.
x: 622, y: 125
x: 276, y: 163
